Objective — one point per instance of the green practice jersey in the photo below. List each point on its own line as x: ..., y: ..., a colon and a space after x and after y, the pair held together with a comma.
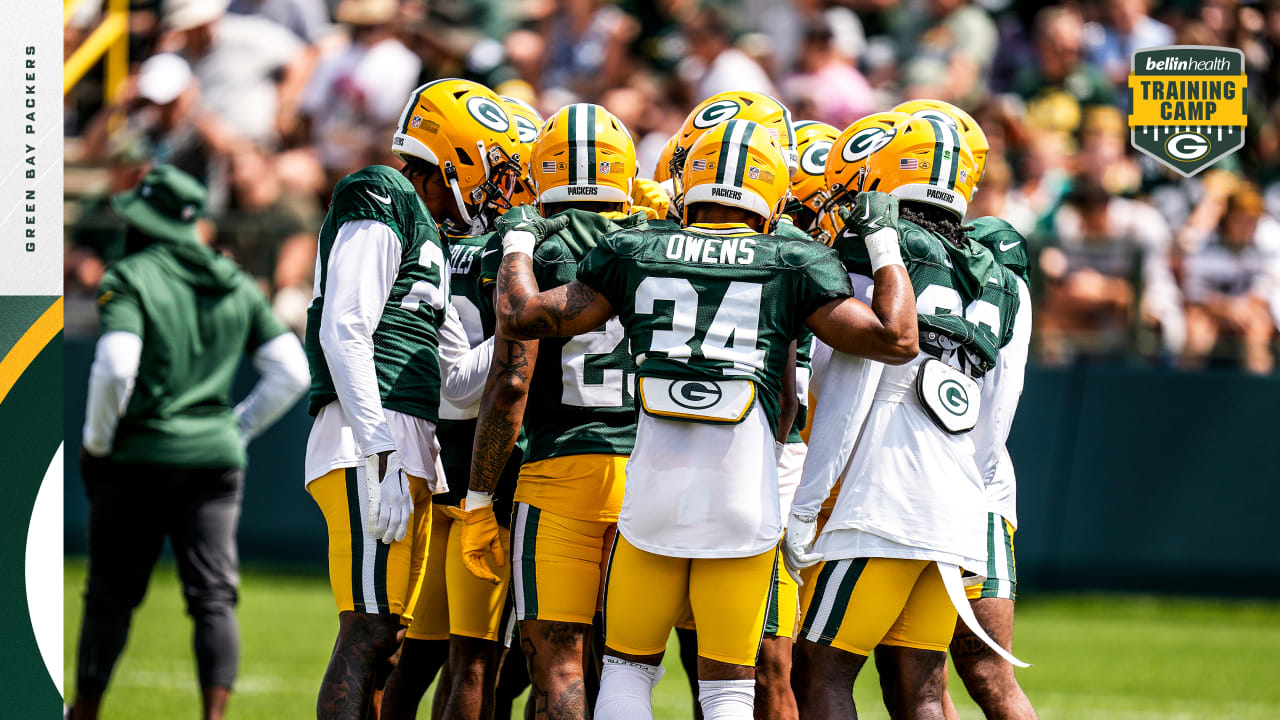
x: 965, y: 300
x: 405, y: 342
x: 197, y: 314
x: 580, y: 398
x: 465, y: 253
x: 804, y: 345
x: 714, y: 302
x: 456, y: 436
x: 1005, y: 243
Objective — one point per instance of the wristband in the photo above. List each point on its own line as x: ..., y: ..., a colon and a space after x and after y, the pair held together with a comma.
x: 882, y: 247
x: 518, y: 241
x: 477, y: 500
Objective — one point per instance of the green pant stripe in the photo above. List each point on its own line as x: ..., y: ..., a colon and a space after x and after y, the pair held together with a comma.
x: 843, y: 593
x: 528, y: 571
x: 356, y: 536
x: 819, y: 585
x: 380, y: 575
x: 771, y: 614
x: 991, y: 545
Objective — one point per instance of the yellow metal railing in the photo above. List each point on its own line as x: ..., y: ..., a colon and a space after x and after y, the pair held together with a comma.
x: 110, y: 38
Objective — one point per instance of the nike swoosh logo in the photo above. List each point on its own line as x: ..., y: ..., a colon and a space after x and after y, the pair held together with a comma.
x: 866, y: 214
x: 487, y: 253
x: 384, y: 200
x: 1006, y: 247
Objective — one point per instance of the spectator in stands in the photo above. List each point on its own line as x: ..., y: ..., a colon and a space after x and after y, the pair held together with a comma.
x: 250, y: 70
x: 160, y: 107
x: 1105, y: 249
x: 308, y: 19
x: 1060, y: 84
x: 714, y: 64
x: 588, y: 47
x: 356, y: 93
x: 1231, y: 283
x: 947, y: 49
x: 829, y: 80
x: 262, y: 220
x: 1105, y: 150
x: 1126, y: 27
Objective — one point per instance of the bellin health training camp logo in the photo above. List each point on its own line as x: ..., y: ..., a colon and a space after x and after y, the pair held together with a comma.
x: 1188, y: 105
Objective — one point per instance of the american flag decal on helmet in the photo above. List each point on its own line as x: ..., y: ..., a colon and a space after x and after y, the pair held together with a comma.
x: 908, y: 163
x: 700, y: 164
x: 548, y: 166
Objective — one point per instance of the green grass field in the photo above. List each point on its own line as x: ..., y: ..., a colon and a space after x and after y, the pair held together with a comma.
x: 1096, y: 656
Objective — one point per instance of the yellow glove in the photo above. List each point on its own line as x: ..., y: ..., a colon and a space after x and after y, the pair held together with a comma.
x: 480, y: 535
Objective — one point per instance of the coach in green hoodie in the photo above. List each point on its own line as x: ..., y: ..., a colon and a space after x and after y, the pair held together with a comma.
x: 163, y: 448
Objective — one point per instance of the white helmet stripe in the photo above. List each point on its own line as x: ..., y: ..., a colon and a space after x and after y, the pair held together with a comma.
x: 580, y: 138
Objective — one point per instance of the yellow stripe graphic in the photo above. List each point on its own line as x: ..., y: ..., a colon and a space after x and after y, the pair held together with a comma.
x: 29, y: 346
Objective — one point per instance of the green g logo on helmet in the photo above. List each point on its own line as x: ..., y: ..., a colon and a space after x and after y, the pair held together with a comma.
x: 525, y: 129
x: 488, y: 113
x: 864, y: 142
x: 716, y: 113
x: 814, y: 160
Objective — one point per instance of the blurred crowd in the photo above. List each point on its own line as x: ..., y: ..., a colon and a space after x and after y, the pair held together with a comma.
x: 271, y: 101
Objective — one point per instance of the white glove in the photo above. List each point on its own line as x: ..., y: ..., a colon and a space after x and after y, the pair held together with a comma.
x: 390, y: 502
x: 797, y: 542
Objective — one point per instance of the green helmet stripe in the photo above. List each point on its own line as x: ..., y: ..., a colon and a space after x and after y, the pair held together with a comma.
x: 743, y: 138
x: 935, y: 169
x: 572, y: 121
x: 723, y: 159
x: 591, y: 144
x: 417, y: 96
x: 955, y: 155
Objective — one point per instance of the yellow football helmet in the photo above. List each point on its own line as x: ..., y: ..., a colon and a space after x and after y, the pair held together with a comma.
x: 922, y: 160
x: 461, y: 127
x: 662, y: 171
x: 528, y: 125
x: 648, y: 195
x: 583, y: 153
x: 808, y: 185
x: 765, y: 111
x: 737, y: 163
x: 843, y: 169
x: 962, y: 121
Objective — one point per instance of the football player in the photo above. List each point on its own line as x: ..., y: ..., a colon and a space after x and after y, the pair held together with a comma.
x: 458, y: 614
x: 577, y: 393
x: 710, y: 311
x: 912, y: 510
x: 988, y: 678
x: 773, y: 672
x: 384, y: 345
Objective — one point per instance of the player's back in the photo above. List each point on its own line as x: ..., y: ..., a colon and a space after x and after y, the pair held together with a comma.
x: 406, y: 339
x: 714, y: 302
x: 911, y: 482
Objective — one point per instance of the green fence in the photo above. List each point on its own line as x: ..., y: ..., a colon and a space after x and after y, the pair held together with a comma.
x: 1132, y: 479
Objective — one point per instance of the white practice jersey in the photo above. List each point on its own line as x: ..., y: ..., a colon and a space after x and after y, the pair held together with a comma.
x: 911, y: 490
x: 702, y: 491
x: 1001, y: 390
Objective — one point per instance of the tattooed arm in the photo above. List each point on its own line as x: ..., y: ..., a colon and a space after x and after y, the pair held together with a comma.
x: 501, y: 409
x: 525, y: 313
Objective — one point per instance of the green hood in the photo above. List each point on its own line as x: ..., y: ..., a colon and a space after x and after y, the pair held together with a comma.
x: 196, y: 265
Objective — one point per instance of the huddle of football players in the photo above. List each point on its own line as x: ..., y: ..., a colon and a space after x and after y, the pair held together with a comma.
x: 560, y: 403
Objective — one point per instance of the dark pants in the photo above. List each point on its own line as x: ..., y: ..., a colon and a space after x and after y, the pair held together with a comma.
x: 132, y: 508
